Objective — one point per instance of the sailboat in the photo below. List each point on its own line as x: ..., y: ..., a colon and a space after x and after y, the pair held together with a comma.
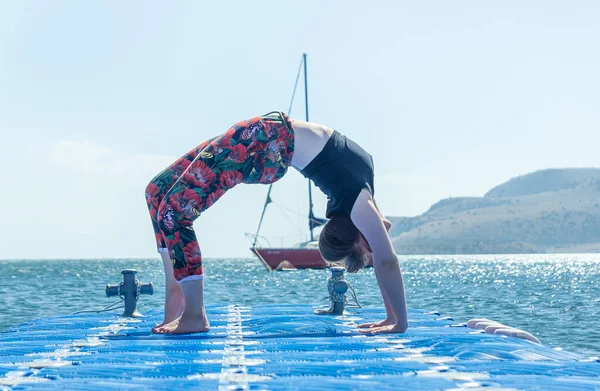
x: 303, y: 255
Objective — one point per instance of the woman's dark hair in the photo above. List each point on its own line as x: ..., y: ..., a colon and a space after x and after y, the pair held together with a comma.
x: 337, y: 243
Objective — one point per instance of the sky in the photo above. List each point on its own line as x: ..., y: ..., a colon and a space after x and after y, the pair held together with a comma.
x: 450, y: 98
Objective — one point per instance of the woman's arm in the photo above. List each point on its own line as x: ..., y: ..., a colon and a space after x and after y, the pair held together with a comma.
x: 370, y: 223
x: 386, y: 222
x: 390, y: 319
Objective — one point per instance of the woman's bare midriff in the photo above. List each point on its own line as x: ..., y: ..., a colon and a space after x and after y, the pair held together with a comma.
x: 309, y: 140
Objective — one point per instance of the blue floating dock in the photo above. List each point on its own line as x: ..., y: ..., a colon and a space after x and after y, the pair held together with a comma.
x: 280, y: 348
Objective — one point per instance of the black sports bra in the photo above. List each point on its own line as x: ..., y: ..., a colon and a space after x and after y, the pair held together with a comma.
x: 341, y: 170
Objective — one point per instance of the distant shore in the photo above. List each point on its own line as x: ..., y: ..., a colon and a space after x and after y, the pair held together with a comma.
x: 549, y: 211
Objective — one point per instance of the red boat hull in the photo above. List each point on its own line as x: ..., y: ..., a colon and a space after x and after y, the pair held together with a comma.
x: 292, y: 258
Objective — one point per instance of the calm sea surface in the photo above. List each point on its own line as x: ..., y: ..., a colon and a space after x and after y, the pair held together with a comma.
x: 554, y: 297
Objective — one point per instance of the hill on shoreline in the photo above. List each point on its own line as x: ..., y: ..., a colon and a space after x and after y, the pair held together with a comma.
x: 547, y: 211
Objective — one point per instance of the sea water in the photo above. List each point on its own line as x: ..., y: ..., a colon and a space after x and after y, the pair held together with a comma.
x: 554, y: 297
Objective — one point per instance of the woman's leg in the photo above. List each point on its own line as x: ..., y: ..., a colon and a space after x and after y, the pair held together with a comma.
x: 253, y: 151
x: 160, y: 185
x: 214, y: 171
x: 155, y: 192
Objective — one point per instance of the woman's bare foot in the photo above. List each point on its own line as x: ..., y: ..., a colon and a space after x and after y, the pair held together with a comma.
x: 174, y: 305
x: 392, y: 328
x: 185, y: 324
x: 381, y: 323
x: 193, y: 319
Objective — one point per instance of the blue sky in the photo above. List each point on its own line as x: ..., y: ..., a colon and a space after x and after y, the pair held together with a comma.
x: 451, y: 98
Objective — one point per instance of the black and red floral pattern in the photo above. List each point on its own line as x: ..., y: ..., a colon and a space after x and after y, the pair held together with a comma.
x: 258, y: 150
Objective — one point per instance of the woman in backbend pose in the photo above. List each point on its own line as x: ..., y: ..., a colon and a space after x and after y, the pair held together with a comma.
x: 260, y: 150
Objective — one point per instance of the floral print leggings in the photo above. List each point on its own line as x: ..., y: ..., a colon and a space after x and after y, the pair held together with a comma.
x: 258, y: 150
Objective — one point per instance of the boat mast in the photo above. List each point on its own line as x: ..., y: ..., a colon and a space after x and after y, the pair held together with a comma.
x: 312, y: 221
x: 310, y: 203
x: 267, y: 201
